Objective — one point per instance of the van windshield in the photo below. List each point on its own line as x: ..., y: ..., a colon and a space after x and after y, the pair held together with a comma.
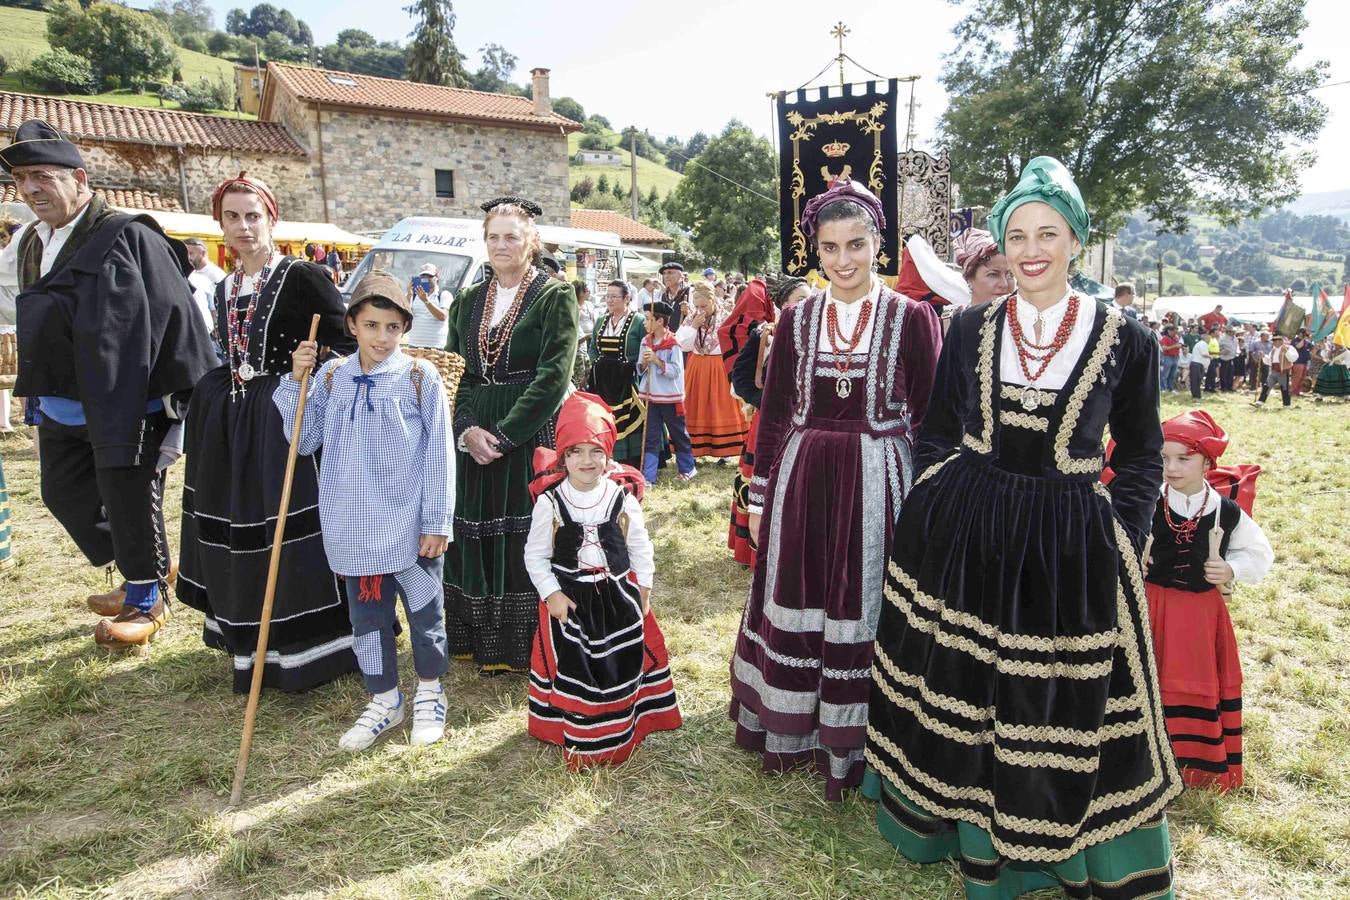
x: 404, y: 264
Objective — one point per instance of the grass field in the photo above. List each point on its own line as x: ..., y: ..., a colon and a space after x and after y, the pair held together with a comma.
x: 1193, y: 283
x: 25, y: 32
x: 115, y: 769
x: 649, y: 173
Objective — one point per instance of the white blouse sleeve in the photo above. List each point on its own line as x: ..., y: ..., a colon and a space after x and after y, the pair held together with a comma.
x: 641, y: 554
x: 1249, y: 552
x: 539, y: 548
x: 687, y: 338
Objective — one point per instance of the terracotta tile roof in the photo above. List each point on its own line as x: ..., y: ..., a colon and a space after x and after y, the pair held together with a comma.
x: 124, y: 198
x: 369, y: 92
x: 628, y: 230
x: 147, y: 125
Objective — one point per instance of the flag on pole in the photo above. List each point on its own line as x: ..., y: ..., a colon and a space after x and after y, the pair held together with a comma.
x: 1342, y: 336
x: 1322, y: 320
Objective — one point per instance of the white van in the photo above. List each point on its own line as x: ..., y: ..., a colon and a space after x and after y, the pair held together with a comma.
x: 456, y: 248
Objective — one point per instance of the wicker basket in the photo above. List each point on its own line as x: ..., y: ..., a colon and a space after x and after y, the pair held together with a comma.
x: 449, y: 365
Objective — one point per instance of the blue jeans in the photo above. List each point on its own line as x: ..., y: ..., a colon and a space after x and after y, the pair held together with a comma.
x: 1169, y: 373
x: 663, y: 418
x: 372, y: 603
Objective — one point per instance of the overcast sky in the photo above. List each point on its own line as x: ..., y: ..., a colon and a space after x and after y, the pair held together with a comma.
x: 692, y: 65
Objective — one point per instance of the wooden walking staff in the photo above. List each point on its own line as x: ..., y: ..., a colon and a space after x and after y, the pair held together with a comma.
x: 265, y: 621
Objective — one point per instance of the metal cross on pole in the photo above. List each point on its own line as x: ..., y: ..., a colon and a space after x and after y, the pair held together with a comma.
x: 840, y: 31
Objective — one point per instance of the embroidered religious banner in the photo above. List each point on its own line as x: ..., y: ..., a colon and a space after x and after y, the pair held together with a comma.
x: 823, y: 137
x: 925, y: 204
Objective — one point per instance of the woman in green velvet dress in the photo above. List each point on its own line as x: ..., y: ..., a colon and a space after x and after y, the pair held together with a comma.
x: 517, y: 332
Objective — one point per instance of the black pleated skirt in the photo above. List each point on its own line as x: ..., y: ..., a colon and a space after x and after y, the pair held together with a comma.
x: 236, y: 452
x: 1014, y: 685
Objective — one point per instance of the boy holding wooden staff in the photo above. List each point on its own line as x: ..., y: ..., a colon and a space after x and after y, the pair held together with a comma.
x: 386, y: 498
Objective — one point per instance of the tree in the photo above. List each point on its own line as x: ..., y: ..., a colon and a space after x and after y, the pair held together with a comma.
x: 279, y: 48
x: 566, y: 106
x: 727, y: 199
x: 355, y: 38
x: 595, y: 142
x: 118, y: 42
x: 583, y: 189
x: 646, y: 144
x: 62, y: 72
x: 618, y: 191
x: 602, y: 186
x: 433, y: 57
x: 495, y: 74
x: 381, y: 60
x: 1248, y: 285
x: 1298, y: 286
x: 1346, y: 273
x: 600, y: 121
x: 1169, y: 105
x: 185, y: 17
x: 236, y: 22
x: 653, y: 198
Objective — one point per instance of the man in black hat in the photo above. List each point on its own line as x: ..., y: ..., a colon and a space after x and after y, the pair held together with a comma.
x: 674, y: 292
x: 110, y: 346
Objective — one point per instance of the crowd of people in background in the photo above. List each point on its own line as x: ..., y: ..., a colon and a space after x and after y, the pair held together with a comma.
x: 1212, y: 354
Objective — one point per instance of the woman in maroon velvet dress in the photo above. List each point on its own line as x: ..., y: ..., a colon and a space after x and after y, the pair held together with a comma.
x: 847, y: 386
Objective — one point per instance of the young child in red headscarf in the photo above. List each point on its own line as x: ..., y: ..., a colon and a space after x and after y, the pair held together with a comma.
x: 1202, y: 541
x: 599, y: 674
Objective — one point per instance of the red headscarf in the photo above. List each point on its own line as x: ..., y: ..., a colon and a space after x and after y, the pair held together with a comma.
x: 753, y: 306
x: 1197, y: 431
x: 244, y: 183
x: 583, y: 419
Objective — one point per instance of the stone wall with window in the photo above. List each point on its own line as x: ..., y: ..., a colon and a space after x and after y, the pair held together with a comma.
x: 380, y: 169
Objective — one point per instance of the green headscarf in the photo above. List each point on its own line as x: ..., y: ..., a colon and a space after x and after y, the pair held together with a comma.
x: 1044, y: 180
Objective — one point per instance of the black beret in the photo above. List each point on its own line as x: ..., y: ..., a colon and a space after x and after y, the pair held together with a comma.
x: 671, y: 265
x: 534, y: 209
x: 658, y: 308
x: 550, y: 262
x: 38, y: 144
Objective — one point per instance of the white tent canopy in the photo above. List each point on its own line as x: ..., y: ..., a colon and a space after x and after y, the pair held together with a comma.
x: 286, y: 232
x: 1244, y: 309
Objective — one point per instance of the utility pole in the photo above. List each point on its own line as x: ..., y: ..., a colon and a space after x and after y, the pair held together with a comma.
x: 632, y: 171
x: 1160, y: 284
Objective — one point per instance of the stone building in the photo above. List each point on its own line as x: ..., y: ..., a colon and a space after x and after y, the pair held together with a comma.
x: 381, y: 149
x: 357, y: 151
x: 169, y: 153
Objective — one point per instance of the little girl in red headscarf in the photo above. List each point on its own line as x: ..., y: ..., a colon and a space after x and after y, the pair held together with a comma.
x: 1203, y: 540
x: 599, y: 673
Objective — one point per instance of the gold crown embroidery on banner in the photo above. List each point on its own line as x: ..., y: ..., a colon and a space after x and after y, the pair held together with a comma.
x: 835, y: 150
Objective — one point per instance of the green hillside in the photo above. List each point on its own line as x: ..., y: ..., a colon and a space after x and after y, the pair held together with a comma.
x: 648, y: 172
x: 25, y: 32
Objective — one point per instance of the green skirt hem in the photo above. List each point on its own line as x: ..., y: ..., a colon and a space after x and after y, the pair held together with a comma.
x: 1134, y: 866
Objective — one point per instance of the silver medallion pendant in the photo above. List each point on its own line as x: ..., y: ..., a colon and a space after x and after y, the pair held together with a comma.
x: 843, y: 387
x: 246, y: 371
x: 1030, y: 399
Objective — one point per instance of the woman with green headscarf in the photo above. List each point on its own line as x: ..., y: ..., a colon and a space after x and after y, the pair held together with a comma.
x: 1015, y: 722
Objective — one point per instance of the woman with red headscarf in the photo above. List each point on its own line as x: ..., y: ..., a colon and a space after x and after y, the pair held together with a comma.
x: 236, y: 459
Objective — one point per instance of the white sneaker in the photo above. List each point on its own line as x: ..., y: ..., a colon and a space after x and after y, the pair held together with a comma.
x: 375, y: 720
x: 428, y: 716
x: 690, y: 475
